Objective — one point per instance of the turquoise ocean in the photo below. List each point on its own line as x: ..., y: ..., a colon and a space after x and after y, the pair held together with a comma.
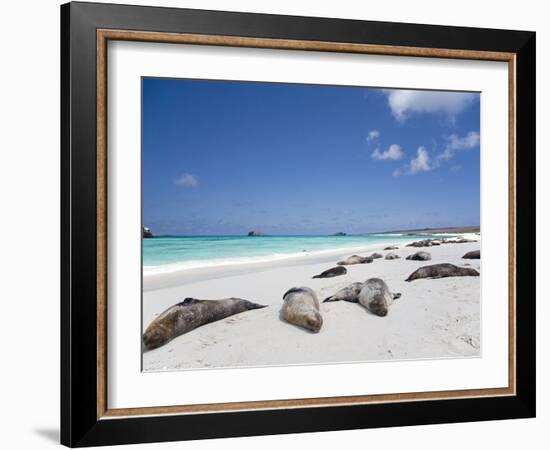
x: 166, y: 254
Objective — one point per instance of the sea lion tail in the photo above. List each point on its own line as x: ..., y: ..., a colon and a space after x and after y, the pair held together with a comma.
x: 315, y: 276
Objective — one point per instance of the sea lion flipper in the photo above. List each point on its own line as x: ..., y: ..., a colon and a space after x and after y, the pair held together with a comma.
x: 396, y: 295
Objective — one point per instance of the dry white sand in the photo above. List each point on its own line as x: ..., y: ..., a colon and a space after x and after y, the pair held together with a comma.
x: 437, y: 318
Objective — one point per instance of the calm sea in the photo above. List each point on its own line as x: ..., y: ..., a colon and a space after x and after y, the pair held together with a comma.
x: 163, y: 254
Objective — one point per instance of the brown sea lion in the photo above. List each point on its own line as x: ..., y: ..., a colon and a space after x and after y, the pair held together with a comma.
x: 355, y: 259
x: 392, y: 247
x: 392, y: 256
x: 376, y: 255
x: 301, y: 308
x: 442, y: 271
x: 348, y: 294
x: 333, y: 272
x: 190, y: 314
x: 376, y: 296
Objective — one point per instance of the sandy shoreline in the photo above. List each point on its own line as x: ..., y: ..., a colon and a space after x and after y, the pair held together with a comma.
x: 433, y: 318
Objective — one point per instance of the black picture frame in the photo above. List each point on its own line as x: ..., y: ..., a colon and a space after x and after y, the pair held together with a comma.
x: 80, y: 425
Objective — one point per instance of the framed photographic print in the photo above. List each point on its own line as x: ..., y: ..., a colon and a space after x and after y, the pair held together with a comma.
x: 276, y: 224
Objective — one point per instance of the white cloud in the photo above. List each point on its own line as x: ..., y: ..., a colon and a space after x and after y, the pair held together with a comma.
x: 373, y: 135
x: 187, y: 180
x: 393, y: 152
x: 404, y: 102
x: 421, y: 163
x: 456, y: 143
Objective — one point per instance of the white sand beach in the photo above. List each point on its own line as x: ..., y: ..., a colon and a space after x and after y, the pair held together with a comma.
x: 434, y: 318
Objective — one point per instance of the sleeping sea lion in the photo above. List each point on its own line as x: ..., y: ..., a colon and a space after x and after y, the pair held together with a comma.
x: 348, y: 294
x: 333, y: 272
x: 301, y: 307
x: 355, y: 259
x: 190, y: 314
x: 376, y: 296
x: 442, y: 271
x: 420, y: 256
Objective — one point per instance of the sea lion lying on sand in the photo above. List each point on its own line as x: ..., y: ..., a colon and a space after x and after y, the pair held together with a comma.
x: 442, y: 271
x: 348, y: 294
x: 376, y: 256
x: 355, y: 259
x: 301, y: 307
x: 333, y: 272
x: 392, y: 247
x: 190, y: 314
x: 420, y: 256
x: 475, y: 254
x: 425, y: 243
x: 392, y: 256
x: 376, y: 296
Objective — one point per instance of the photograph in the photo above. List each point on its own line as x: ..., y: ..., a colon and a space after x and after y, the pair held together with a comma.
x: 301, y: 224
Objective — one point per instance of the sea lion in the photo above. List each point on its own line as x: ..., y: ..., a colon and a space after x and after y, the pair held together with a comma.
x: 190, y: 314
x: 424, y: 243
x: 348, y: 294
x: 355, y: 259
x: 376, y: 296
x: 442, y: 271
x: 420, y: 256
x: 392, y: 256
x: 333, y: 272
x: 475, y: 254
x: 376, y: 256
x: 301, y: 307
x: 392, y: 247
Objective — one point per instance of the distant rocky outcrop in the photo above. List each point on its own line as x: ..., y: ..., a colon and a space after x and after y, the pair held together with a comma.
x: 147, y: 233
x: 256, y: 233
x: 340, y: 233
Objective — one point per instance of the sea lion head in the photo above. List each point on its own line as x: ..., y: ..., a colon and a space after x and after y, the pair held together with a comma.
x: 378, y: 307
x: 314, y: 322
x: 155, y: 336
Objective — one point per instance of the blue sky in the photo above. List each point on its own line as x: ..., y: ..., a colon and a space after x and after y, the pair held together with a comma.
x: 224, y: 157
